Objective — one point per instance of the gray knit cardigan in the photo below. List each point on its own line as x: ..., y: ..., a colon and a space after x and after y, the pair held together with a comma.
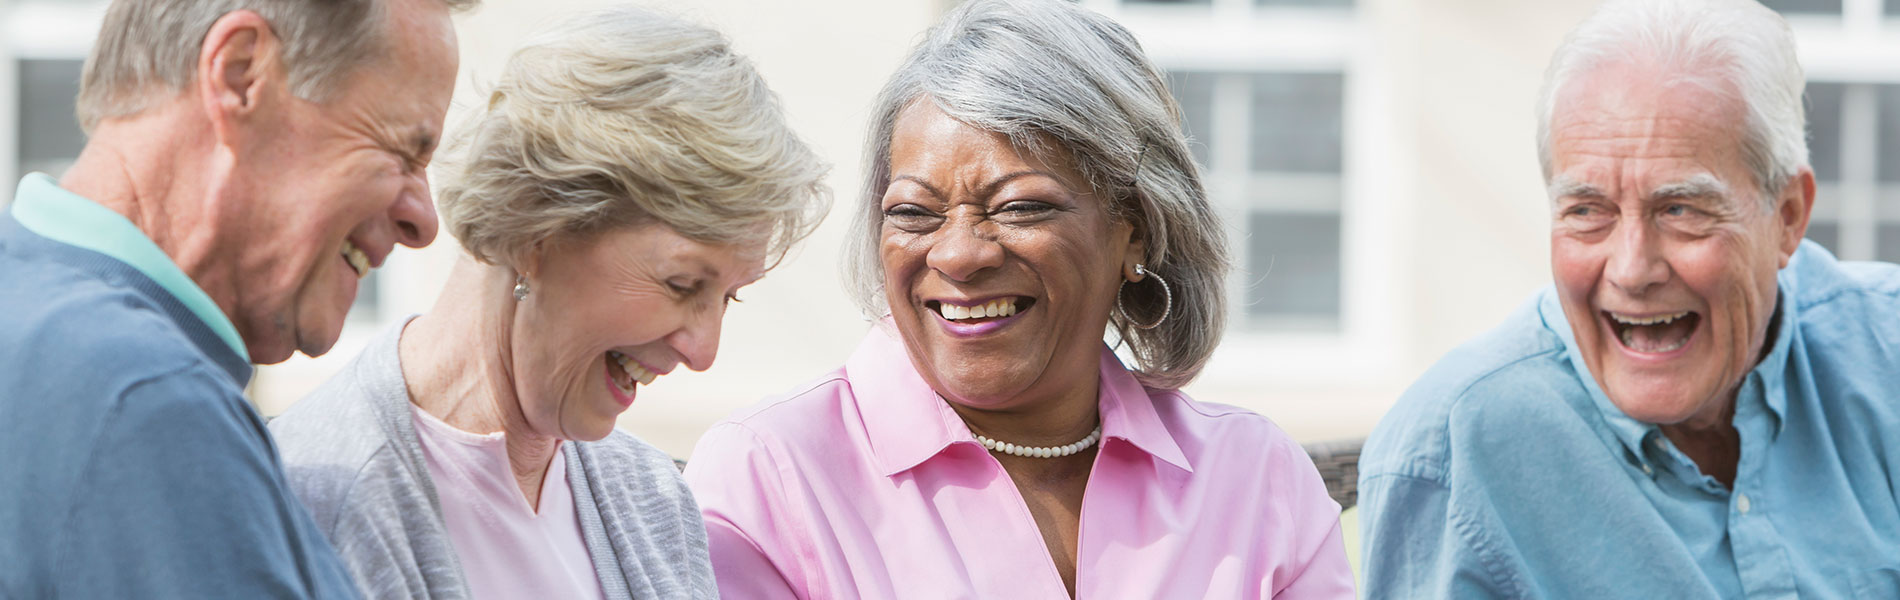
x: 351, y: 453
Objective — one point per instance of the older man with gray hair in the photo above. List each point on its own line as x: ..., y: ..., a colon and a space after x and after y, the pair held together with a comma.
x: 1703, y: 405
x: 248, y: 162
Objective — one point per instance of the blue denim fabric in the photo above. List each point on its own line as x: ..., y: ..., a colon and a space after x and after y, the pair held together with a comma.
x: 1505, y: 472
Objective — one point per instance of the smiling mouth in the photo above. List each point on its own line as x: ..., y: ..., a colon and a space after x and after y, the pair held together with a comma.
x: 1656, y: 334
x: 359, y: 260
x: 993, y: 310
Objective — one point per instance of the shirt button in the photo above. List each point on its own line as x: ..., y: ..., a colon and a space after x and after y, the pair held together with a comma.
x: 1647, y: 470
x: 1741, y: 503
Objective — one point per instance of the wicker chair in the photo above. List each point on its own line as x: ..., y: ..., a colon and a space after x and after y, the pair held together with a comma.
x: 1338, y: 463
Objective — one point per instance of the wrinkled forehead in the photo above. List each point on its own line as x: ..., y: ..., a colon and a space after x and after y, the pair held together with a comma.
x: 1623, y: 113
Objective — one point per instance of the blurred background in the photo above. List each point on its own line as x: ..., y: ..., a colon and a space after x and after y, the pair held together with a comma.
x: 1374, y: 158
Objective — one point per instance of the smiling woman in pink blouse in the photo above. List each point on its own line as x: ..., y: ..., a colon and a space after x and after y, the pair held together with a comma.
x: 1029, y: 190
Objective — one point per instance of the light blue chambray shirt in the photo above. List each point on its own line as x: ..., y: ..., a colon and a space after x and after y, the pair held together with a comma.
x: 1505, y: 472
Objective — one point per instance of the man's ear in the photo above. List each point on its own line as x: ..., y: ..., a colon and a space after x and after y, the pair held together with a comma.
x: 1793, y: 207
x: 238, y: 71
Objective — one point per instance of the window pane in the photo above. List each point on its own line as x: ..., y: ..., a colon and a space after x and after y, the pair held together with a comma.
x: 49, y: 134
x: 1298, y: 122
x: 1327, y: 3
x: 1888, y: 242
x: 1824, y: 127
x: 1195, y: 92
x: 1293, y: 265
x: 1889, y: 156
x: 1805, y: 6
x: 1825, y: 234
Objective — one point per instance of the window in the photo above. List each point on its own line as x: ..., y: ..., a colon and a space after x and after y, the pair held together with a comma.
x: 1853, y: 111
x: 1281, y: 135
x: 1805, y: 6
x: 49, y: 135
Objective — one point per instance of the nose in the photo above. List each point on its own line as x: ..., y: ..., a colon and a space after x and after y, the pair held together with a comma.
x: 1636, y: 261
x: 965, y: 248
x: 698, y: 342
x: 414, y: 213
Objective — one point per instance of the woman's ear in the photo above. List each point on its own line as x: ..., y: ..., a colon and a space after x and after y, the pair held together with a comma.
x: 1135, y: 254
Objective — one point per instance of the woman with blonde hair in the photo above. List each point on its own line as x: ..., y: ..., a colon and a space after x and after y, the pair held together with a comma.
x: 630, y: 174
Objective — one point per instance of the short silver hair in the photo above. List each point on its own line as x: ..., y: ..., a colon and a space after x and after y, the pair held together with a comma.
x: 1727, y: 46
x: 624, y: 117
x: 1063, y: 81
x: 147, y: 46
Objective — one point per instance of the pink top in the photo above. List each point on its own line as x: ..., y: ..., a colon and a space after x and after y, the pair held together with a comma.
x: 506, y: 549
x: 867, y: 485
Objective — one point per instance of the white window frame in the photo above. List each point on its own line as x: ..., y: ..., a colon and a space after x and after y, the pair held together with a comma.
x: 1238, y: 36
x: 1860, y: 49
x: 30, y: 31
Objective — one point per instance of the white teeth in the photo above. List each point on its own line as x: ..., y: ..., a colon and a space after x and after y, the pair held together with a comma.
x: 1658, y: 320
x: 635, y: 372
x: 359, y: 260
x: 995, y: 308
x: 1629, y: 341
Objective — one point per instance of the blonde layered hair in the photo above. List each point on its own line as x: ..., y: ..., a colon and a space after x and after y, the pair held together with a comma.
x: 627, y: 117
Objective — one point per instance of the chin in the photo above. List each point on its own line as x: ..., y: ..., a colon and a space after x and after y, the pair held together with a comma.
x: 1660, y: 405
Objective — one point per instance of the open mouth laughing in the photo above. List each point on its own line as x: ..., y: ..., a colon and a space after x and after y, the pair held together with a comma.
x: 625, y: 373
x: 980, y: 317
x: 1653, y: 333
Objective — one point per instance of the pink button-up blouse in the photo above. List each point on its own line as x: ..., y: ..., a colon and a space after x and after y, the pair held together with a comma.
x: 866, y: 484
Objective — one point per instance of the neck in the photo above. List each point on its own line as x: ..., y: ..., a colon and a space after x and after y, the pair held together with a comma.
x: 457, y: 365
x: 1040, y: 422
x: 160, y: 170
x: 1714, y: 443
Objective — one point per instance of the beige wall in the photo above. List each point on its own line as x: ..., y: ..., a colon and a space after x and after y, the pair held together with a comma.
x: 1445, y: 122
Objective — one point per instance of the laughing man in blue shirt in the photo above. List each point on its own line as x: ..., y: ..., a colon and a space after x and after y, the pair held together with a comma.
x: 1702, y: 405
x: 248, y: 162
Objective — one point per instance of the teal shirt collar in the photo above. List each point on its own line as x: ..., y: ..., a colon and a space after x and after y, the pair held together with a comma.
x: 50, y: 211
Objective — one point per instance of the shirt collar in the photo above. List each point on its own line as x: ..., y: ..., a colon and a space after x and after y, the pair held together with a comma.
x: 50, y: 211
x: 907, y: 423
x: 1770, y: 374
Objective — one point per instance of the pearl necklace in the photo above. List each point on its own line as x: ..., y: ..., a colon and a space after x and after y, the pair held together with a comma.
x: 1049, y: 452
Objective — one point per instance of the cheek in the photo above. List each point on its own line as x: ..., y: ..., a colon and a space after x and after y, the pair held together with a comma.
x: 902, y: 258
x: 1576, y: 268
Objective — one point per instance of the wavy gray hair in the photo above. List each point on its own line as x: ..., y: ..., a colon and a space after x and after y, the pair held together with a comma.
x: 1061, y: 80
x: 145, y: 44
x: 625, y: 117
x: 1726, y: 46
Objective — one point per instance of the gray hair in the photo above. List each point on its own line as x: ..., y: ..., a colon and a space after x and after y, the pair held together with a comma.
x: 144, y: 44
x: 626, y: 117
x: 1060, y: 80
x: 1734, y: 47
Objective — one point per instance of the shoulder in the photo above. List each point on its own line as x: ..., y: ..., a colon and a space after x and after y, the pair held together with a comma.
x: 1514, y: 375
x: 332, y: 441
x: 1843, y: 300
x: 631, y: 457
x: 812, y: 412
x: 60, y: 323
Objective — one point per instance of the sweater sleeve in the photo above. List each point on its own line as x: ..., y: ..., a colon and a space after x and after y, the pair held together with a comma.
x: 183, y: 497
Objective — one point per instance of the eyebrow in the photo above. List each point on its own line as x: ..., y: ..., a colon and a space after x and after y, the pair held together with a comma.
x: 987, y: 190
x: 1566, y: 187
x: 1700, y: 185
